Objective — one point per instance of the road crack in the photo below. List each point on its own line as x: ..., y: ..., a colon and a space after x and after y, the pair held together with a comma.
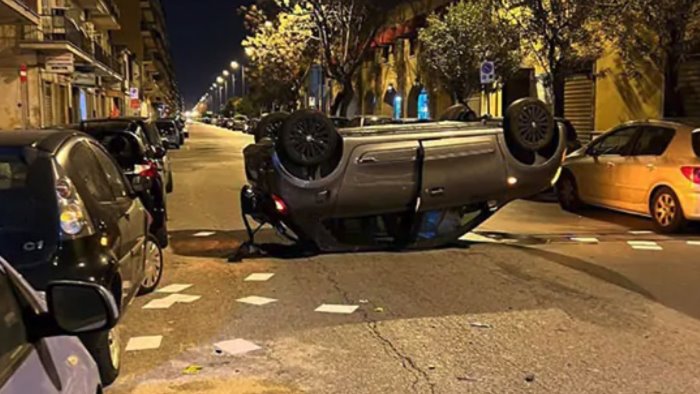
x: 389, y: 347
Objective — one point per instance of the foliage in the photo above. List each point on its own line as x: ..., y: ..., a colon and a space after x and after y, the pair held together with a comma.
x: 245, y: 106
x: 454, y: 45
x: 230, y: 108
x: 663, y: 32
x: 343, y: 30
x: 280, y: 51
x: 562, y: 36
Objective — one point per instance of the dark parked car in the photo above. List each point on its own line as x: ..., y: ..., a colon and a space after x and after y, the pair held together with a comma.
x: 147, y: 131
x: 122, y: 142
x: 68, y: 213
x: 39, y: 352
x: 397, y: 186
x: 171, y: 133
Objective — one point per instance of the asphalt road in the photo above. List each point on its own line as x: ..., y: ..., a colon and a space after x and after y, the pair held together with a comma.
x: 537, y: 305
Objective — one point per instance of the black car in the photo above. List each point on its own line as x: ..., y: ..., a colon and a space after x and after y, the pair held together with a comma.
x: 125, y: 146
x: 68, y: 213
x: 170, y: 133
x: 147, y: 131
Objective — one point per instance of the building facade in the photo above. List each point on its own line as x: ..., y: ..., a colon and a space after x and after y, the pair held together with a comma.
x: 597, y: 97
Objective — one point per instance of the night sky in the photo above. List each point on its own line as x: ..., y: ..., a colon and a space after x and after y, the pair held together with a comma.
x: 205, y: 36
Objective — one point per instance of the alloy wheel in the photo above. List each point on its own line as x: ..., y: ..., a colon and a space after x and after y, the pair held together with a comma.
x: 154, y: 265
x: 665, y: 209
x: 533, y: 125
x: 310, y: 139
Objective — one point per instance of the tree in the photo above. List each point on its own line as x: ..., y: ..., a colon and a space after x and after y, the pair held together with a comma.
x: 562, y: 36
x: 344, y: 30
x: 454, y: 45
x: 281, y: 51
x: 245, y: 106
x: 663, y: 32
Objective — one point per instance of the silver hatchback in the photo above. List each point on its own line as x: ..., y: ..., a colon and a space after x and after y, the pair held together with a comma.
x: 649, y: 168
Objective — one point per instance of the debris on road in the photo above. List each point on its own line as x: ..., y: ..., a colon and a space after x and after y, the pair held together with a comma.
x: 174, y: 288
x: 467, y: 378
x: 235, y: 347
x: 480, y: 325
x: 144, y: 343
x: 530, y: 377
x: 363, y: 301
x: 259, y: 277
x: 338, y: 309
x: 192, y: 369
x: 379, y: 309
x: 255, y: 300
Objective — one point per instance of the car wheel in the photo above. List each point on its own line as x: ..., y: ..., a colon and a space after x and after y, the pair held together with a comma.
x: 667, y: 212
x: 170, y: 186
x: 270, y: 126
x: 105, y: 349
x: 530, y: 124
x: 154, y: 266
x: 567, y: 193
x: 309, y: 138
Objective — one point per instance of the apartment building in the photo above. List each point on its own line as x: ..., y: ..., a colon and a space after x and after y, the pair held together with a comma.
x: 597, y: 97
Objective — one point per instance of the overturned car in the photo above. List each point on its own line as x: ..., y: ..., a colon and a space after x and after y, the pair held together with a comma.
x: 402, y: 186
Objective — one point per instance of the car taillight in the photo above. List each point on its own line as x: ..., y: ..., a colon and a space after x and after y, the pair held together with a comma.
x: 74, y: 218
x: 692, y: 173
x: 148, y: 170
x: 280, y: 205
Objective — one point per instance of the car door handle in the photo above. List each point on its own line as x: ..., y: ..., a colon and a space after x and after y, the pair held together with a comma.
x: 436, y: 191
x: 368, y: 159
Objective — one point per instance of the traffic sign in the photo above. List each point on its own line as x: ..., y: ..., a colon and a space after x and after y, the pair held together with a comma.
x: 488, y: 72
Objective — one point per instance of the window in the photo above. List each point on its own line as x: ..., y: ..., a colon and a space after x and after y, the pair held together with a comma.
x: 653, y: 141
x: 87, y: 174
x: 13, y: 173
x: 112, y: 173
x: 12, y: 329
x: 412, y: 46
x: 696, y: 142
x: 617, y: 143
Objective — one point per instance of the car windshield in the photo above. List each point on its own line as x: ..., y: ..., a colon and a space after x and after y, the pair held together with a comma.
x: 166, y: 128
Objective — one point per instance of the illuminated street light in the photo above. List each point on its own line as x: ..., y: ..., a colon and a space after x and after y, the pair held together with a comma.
x: 236, y: 66
x: 226, y: 73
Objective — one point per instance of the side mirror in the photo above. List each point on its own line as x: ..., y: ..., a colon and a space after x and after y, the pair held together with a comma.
x: 140, y: 184
x: 160, y: 151
x: 81, y: 307
x: 166, y: 144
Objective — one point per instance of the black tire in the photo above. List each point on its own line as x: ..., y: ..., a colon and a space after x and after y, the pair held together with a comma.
x: 309, y: 138
x: 530, y: 124
x: 667, y: 212
x: 169, y: 187
x: 270, y: 126
x: 567, y: 193
x: 153, y: 269
x: 101, y: 345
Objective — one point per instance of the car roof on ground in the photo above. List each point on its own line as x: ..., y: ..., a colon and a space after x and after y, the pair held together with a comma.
x: 45, y: 140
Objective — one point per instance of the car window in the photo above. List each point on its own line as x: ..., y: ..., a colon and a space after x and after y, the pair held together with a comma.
x: 13, y: 332
x: 13, y: 173
x: 616, y: 143
x: 653, y: 141
x: 113, y: 174
x: 88, y: 175
x: 153, y: 135
x: 696, y: 142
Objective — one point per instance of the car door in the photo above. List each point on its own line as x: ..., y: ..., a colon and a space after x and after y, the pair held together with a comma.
x: 596, y: 174
x: 133, y: 216
x: 638, y: 172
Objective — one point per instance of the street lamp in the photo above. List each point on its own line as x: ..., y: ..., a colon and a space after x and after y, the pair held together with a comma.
x: 235, y: 66
x: 220, y: 82
x: 226, y: 75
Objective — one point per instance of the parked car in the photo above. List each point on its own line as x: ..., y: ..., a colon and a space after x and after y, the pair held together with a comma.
x: 39, y: 352
x: 129, y: 151
x: 239, y: 123
x: 68, y: 213
x: 396, y: 186
x: 340, y: 122
x: 147, y: 131
x: 369, y: 120
x: 182, y: 127
x: 171, y: 133
x: 650, y: 168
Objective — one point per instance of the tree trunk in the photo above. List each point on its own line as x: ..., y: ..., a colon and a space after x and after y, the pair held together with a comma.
x: 343, y: 99
x: 558, y: 91
x: 673, y: 101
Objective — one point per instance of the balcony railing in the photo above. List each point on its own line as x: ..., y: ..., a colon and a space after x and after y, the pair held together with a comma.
x: 31, y: 5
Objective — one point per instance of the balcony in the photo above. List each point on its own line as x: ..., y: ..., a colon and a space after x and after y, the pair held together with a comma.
x: 19, y: 12
x: 59, y: 35
x: 103, y: 13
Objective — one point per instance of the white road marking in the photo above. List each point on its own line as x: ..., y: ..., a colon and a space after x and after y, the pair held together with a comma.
x: 183, y: 298
x: 259, y: 277
x: 255, y: 300
x: 585, y: 240
x: 144, y: 343
x: 474, y: 237
x: 204, y: 234
x: 645, y: 245
x: 175, y: 288
x: 236, y: 346
x: 641, y: 232
x: 694, y: 243
x: 336, y: 308
x: 161, y: 303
